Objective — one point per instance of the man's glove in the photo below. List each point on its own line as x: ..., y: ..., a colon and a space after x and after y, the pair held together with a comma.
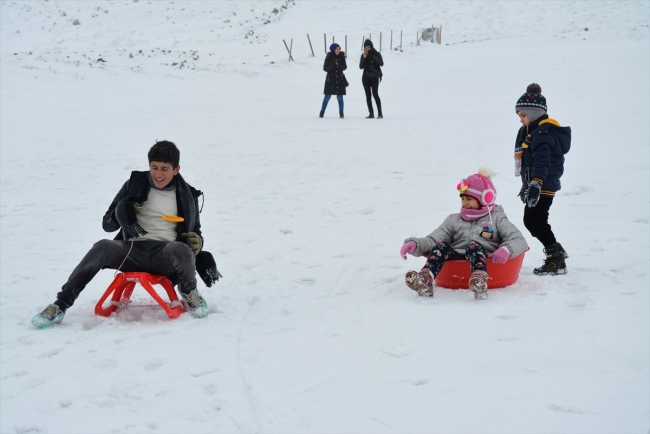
x: 532, y: 197
x: 125, y: 214
x: 194, y: 241
x: 136, y: 207
x: 522, y: 194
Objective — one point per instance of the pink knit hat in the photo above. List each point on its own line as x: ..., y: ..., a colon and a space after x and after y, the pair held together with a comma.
x: 479, y: 186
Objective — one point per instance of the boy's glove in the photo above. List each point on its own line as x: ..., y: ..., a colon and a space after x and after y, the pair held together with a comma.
x: 500, y: 256
x: 522, y: 194
x: 532, y: 197
x: 194, y: 241
x: 407, y: 248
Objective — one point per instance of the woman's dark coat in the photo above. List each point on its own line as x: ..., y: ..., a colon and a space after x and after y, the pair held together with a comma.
x: 334, y: 66
x: 371, y: 64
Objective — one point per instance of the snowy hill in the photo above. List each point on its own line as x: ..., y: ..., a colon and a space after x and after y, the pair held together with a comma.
x: 312, y: 328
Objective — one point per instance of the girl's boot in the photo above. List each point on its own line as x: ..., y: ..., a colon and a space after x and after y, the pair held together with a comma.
x: 371, y: 115
x: 478, y: 284
x: 421, y: 282
x: 322, y: 113
x: 341, y: 114
x: 379, y: 113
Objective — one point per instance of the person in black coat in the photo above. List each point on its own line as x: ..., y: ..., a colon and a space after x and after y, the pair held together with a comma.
x: 371, y: 63
x: 335, y: 81
x: 147, y: 241
x: 540, y: 148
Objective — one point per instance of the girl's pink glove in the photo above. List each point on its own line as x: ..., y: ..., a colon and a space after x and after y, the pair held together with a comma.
x: 501, y: 255
x: 407, y: 248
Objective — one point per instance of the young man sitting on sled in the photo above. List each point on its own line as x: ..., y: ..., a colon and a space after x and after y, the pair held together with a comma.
x: 147, y: 242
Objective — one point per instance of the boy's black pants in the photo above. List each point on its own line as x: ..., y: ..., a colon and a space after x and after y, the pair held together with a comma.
x: 536, y: 221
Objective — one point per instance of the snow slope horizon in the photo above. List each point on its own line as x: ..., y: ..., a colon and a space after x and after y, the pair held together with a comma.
x: 312, y: 328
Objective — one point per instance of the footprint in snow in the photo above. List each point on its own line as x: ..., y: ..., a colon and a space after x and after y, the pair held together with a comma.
x: 568, y: 409
x: 512, y: 338
x: 505, y: 317
x: 50, y: 353
x: 153, y: 365
x: 578, y: 190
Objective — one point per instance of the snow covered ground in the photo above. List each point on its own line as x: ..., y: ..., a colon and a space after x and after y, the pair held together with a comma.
x: 312, y: 328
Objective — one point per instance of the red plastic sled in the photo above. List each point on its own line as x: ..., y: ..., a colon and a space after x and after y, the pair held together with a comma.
x: 455, y: 274
x: 122, y: 288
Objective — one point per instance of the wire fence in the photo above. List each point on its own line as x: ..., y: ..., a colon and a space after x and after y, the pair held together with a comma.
x: 431, y: 34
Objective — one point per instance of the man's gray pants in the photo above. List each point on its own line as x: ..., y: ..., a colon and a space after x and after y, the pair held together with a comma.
x: 155, y: 257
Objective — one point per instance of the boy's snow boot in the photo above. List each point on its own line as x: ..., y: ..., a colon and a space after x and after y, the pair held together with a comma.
x: 478, y: 284
x: 371, y: 115
x: 195, y: 304
x: 322, y: 113
x: 341, y: 114
x: 421, y: 282
x: 554, y: 263
x: 51, y: 315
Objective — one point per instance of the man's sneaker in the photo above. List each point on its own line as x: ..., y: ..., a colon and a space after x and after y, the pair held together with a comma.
x: 478, y: 284
x: 195, y: 304
x: 421, y: 282
x: 50, y: 316
x: 555, y: 263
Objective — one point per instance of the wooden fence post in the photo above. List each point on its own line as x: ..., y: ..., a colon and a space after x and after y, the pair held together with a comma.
x: 391, y: 40
x: 325, y: 42
x: 400, y: 39
x: 440, y: 35
x: 288, y: 49
x: 312, y: 48
x: 380, y: 41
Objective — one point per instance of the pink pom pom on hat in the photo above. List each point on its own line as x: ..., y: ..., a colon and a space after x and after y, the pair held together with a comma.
x: 479, y: 186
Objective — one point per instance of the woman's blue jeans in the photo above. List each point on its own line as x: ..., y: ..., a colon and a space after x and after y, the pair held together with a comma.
x: 339, y: 98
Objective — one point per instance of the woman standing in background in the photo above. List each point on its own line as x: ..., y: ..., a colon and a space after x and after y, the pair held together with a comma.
x: 335, y: 81
x: 371, y: 63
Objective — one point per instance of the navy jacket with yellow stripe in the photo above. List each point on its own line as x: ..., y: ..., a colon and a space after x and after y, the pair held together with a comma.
x: 543, y: 144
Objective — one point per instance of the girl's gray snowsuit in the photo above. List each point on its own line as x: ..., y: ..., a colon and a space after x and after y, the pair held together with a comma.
x: 459, y: 233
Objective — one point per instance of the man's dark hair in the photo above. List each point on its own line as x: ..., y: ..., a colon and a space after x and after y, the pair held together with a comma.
x: 165, y: 152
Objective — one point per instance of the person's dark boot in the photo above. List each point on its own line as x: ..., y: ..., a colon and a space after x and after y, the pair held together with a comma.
x: 341, y: 114
x: 371, y: 115
x: 555, y: 263
x: 322, y: 113
x: 379, y: 114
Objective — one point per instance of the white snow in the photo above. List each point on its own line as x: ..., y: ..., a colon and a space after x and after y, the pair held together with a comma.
x: 312, y: 328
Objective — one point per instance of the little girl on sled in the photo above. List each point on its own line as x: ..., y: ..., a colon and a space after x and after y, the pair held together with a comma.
x: 480, y: 230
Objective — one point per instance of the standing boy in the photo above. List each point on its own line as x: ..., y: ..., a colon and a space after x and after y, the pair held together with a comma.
x: 541, y: 144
